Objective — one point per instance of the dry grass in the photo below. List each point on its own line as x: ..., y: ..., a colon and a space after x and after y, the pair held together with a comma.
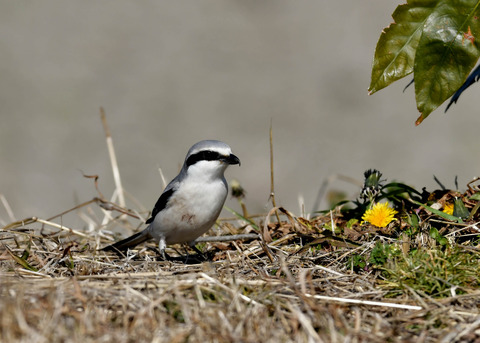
x: 55, y: 286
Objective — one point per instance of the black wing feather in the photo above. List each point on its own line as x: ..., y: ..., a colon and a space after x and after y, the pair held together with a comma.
x: 161, y: 204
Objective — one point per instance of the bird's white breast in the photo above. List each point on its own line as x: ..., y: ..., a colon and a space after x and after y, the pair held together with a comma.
x: 191, y: 211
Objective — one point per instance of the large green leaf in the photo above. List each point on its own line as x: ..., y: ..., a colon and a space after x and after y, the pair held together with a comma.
x: 395, y: 51
x: 434, y: 39
x: 446, y: 53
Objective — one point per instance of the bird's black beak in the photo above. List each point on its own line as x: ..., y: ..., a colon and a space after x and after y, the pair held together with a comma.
x: 232, y: 159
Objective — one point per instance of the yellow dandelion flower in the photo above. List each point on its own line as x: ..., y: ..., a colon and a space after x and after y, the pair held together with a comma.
x: 380, y: 215
x: 448, y: 209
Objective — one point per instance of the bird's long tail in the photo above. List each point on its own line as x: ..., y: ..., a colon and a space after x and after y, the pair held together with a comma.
x: 129, y: 242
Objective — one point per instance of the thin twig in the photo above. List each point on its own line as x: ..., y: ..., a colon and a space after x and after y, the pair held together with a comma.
x: 104, y: 204
x: 360, y: 302
x: 73, y: 208
x: 164, y: 181
x: 31, y: 220
x: 113, y: 159
x: 306, y: 323
x: 227, y: 238
x: 7, y: 207
x: 62, y: 227
x: 272, y: 183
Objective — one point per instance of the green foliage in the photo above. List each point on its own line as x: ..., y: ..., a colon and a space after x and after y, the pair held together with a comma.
x: 436, y: 272
x: 437, y: 236
x: 380, y: 254
x: 439, y: 213
x: 69, y: 263
x: 395, y: 51
x: 372, y: 185
x: 475, y: 196
x: 22, y: 260
x: 335, y: 229
x: 400, y: 195
x: 357, y: 262
x: 436, y: 41
x: 397, y: 193
x: 412, y: 221
x: 459, y: 209
x: 200, y: 246
x: 351, y: 223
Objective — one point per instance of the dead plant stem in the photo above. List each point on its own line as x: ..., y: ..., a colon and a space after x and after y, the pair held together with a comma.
x: 113, y: 159
x: 272, y: 183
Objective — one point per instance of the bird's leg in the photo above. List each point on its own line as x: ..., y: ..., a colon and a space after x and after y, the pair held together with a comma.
x: 162, y: 245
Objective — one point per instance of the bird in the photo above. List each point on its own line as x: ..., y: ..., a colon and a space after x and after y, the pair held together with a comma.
x: 191, y: 203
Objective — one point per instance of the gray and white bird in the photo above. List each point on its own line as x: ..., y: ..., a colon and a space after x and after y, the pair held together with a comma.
x: 191, y: 202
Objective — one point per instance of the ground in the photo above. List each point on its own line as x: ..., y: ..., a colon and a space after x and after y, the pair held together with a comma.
x: 328, y: 278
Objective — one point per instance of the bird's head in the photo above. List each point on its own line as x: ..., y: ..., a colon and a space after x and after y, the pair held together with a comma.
x: 210, y: 158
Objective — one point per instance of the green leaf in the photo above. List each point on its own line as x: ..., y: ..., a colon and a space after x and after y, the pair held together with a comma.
x: 447, y: 51
x: 438, y: 237
x: 407, y: 189
x: 352, y: 222
x: 412, y: 220
x: 475, y: 196
x: 459, y: 209
x: 439, y: 213
x: 22, y: 260
x: 395, y: 51
x: 251, y: 222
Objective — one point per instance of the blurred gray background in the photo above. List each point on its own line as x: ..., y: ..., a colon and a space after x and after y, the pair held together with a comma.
x: 170, y: 73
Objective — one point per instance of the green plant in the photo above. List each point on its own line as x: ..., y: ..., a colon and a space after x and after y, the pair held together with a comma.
x: 436, y: 41
x: 436, y: 272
